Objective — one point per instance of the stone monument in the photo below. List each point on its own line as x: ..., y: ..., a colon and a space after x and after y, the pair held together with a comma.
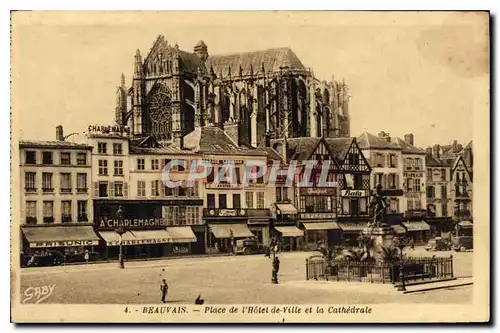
x: 381, y: 233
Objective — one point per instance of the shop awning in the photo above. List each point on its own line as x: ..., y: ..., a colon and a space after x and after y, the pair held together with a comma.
x: 286, y: 208
x: 136, y: 237
x: 289, y: 231
x: 465, y: 224
x: 60, y: 236
x: 398, y: 229
x: 416, y: 226
x: 239, y: 230
x: 352, y: 227
x: 321, y: 226
x: 181, y: 234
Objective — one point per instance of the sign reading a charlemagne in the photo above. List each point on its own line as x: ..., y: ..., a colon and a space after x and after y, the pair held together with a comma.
x: 132, y: 223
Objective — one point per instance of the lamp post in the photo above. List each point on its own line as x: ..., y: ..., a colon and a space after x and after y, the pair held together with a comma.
x: 120, y: 232
x: 401, y: 244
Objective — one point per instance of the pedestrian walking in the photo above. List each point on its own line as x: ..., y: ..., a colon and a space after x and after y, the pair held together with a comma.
x: 86, y: 256
x: 276, y: 268
x: 164, y: 291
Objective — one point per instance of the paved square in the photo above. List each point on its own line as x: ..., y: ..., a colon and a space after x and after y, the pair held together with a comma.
x: 222, y: 280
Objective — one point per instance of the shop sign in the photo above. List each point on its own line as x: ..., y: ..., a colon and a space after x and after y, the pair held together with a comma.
x: 317, y: 190
x: 413, y: 174
x: 180, y: 248
x: 318, y: 216
x: 227, y: 212
x: 131, y: 223
x: 353, y: 193
x: 139, y: 242
x: 107, y: 129
x: 63, y: 244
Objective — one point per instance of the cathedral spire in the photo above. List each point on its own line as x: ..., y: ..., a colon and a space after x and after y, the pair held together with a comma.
x: 123, y: 80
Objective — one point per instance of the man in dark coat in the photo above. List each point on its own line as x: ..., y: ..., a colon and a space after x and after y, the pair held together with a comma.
x: 164, y: 291
x: 276, y: 268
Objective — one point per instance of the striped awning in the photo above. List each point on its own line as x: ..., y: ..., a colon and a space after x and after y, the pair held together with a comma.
x: 286, y: 208
x: 416, y: 226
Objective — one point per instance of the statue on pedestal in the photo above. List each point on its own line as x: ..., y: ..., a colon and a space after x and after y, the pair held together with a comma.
x: 378, y: 207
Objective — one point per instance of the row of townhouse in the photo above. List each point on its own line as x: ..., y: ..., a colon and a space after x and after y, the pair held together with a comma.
x: 76, y: 196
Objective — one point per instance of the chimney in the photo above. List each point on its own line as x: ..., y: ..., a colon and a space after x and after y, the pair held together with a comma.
x: 428, y: 150
x: 59, y: 133
x: 382, y: 135
x: 435, y: 151
x: 455, y: 146
x: 409, y: 139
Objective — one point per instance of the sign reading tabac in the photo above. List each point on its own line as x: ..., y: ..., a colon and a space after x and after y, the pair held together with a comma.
x: 317, y: 190
x: 353, y: 193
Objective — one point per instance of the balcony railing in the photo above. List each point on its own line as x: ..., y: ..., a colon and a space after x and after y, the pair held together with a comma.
x: 82, y: 190
x: 66, y: 190
x: 48, y: 219
x: 83, y: 218
x: 30, y: 189
x: 30, y: 220
x: 65, y: 218
x: 48, y: 190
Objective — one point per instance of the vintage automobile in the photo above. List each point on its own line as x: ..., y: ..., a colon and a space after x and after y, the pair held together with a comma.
x: 248, y: 246
x: 462, y: 243
x: 45, y: 258
x: 438, y: 244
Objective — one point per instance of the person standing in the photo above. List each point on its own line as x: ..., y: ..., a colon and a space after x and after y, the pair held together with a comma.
x: 164, y: 291
x: 276, y: 268
x: 86, y: 256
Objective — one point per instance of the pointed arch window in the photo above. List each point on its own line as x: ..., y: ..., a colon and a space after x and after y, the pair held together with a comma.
x: 160, y: 109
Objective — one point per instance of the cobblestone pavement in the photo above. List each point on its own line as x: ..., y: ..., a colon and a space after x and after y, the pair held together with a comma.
x: 221, y: 280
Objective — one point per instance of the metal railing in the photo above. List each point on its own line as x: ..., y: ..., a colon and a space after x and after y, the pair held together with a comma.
x: 415, y: 269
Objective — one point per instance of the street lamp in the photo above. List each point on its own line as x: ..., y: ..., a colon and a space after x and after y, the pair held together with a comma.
x: 401, y: 244
x: 120, y: 232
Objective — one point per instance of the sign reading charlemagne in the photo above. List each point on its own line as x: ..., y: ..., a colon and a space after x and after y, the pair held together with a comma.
x: 132, y: 223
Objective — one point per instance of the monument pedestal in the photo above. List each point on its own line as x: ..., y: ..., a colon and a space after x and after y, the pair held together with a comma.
x: 383, y: 236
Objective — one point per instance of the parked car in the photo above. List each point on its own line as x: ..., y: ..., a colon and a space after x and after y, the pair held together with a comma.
x: 462, y: 243
x: 248, y: 246
x: 438, y: 244
x: 45, y: 258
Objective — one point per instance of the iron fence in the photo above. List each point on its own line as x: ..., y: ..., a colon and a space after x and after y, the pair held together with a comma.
x: 414, y: 269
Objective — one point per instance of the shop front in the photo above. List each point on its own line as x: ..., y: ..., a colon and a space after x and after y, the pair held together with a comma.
x: 259, y: 221
x: 439, y: 225
x: 290, y: 237
x: 465, y: 228
x: 321, y: 232
x: 418, y: 230
x: 225, y: 226
x: 149, y: 229
x: 351, y: 231
x: 69, y: 241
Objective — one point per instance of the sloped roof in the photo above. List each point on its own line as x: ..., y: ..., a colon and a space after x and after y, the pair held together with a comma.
x: 432, y: 161
x: 168, y: 150
x: 272, y: 154
x: 369, y: 141
x: 189, y: 61
x: 407, y: 148
x: 301, y: 149
x: 214, y: 140
x: 53, y: 144
x: 272, y: 59
x: 339, y: 147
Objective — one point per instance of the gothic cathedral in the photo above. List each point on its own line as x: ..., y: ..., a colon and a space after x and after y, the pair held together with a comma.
x: 256, y: 97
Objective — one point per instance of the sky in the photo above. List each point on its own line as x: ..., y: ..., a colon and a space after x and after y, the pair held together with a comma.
x: 425, y: 73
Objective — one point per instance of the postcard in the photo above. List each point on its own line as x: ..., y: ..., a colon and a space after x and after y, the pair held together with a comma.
x: 250, y: 167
